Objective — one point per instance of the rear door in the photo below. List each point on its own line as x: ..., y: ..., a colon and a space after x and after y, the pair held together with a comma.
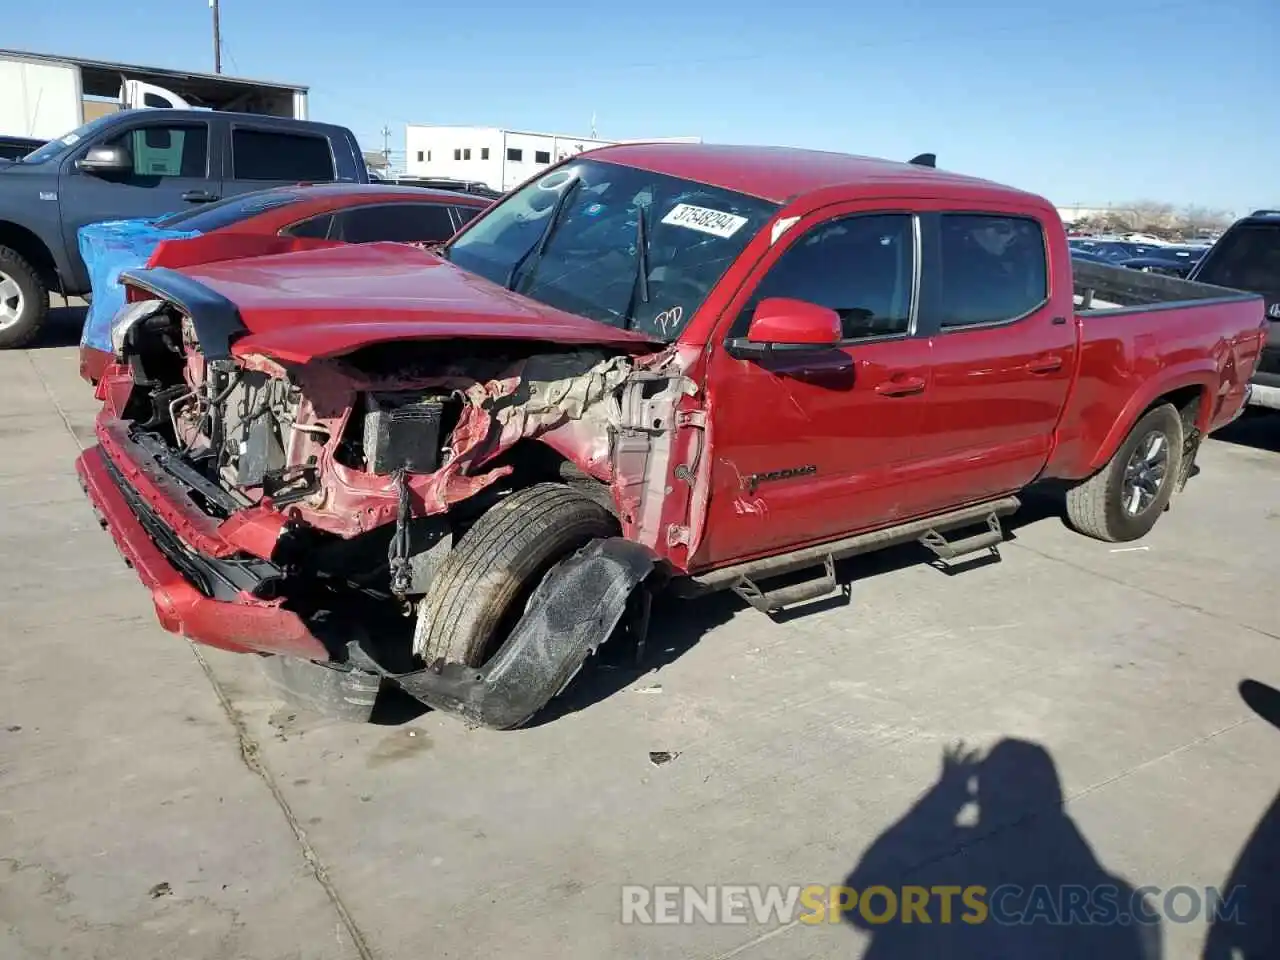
x: 812, y: 445
x: 173, y: 169
x: 1003, y: 356
x: 264, y: 156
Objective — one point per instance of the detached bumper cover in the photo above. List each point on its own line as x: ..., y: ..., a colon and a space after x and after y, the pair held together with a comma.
x: 201, y: 597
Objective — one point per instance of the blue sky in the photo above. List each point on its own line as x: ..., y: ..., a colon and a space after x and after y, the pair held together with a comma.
x: 1090, y: 101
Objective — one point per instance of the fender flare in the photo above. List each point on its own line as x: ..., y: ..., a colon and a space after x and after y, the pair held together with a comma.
x: 1200, y: 373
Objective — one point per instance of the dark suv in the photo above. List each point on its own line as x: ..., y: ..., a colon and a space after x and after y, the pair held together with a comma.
x: 1247, y: 257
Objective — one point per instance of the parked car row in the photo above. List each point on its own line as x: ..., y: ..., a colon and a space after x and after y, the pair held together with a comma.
x: 1171, y: 259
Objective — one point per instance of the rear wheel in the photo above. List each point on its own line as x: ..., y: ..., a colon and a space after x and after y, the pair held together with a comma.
x: 479, y: 591
x: 1124, y: 500
x: 24, y: 300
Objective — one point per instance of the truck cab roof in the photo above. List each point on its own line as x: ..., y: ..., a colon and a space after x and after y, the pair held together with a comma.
x: 785, y: 174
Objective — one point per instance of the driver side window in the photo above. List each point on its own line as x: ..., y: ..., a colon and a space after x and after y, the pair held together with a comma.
x: 861, y: 266
x: 166, y: 150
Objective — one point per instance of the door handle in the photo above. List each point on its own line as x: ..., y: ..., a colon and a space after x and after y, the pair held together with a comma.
x: 199, y: 196
x: 1045, y: 364
x: 901, y: 387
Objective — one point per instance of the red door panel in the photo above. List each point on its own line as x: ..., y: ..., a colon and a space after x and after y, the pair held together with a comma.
x: 809, y: 446
x: 1003, y: 361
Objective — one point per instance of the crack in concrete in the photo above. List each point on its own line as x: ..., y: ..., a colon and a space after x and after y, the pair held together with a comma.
x: 53, y: 398
x: 250, y: 754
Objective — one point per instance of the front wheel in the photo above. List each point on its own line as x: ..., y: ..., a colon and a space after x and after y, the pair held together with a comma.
x: 1125, y: 498
x: 24, y: 300
x: 479, y: 591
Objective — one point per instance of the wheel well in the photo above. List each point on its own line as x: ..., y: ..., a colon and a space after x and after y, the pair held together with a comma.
x: 1186, y: 400
x: 32, y: 249
x: 534, y: 462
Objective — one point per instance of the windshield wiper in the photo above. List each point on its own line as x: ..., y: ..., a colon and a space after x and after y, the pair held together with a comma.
x: 640, y: 286
x: 553, y: 221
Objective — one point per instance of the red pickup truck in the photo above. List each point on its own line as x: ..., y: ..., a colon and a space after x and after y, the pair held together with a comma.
x: 681, y: 365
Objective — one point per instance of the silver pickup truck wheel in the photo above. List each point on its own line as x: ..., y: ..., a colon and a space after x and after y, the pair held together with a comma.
x: 1125, y: 498
x: 24, y: 301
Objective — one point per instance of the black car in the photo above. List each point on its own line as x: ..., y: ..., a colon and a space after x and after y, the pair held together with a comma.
x: 1247, y: 257
x: 1174, y: 261
x: 1114, y: 251
x: 474, y: 187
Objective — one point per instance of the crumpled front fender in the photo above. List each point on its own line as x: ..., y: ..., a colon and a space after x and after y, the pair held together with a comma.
x: 573, y: 611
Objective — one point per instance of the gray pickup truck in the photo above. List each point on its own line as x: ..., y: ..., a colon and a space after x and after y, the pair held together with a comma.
x: 141, y: 163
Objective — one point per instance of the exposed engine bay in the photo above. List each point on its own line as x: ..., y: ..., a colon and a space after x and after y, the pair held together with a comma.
x: 397, y: 433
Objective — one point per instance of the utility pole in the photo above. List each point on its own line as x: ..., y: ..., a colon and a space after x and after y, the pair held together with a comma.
x: 386, y: 145
x: 217, y: 38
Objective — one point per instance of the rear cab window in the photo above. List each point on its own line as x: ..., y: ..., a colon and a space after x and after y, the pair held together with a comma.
x: 258, y: 154
x: 989, y: 269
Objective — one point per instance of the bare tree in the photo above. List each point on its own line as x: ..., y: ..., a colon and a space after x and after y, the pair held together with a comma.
x: 1196, y: 220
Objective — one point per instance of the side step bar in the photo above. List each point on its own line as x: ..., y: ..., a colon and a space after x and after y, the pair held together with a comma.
x: 945, y: 549
x: 740, y: 577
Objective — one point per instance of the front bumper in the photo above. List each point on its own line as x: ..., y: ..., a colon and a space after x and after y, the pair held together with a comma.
x: 199, y: 596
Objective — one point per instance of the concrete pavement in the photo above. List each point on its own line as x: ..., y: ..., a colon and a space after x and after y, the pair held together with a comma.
x: 157, y: 801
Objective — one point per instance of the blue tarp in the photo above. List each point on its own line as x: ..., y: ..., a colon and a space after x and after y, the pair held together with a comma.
x: 108, y: 248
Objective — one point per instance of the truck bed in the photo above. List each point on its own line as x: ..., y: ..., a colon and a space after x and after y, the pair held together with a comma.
x: 1102, y: 288
x: 1141, y: 336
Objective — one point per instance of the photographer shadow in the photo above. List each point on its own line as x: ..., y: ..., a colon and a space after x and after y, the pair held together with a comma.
x: 999, y: 823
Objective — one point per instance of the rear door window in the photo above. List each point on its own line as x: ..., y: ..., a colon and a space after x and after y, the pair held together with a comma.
x: 990, y: 269
x: 399, y: 222
x: 277, y: 155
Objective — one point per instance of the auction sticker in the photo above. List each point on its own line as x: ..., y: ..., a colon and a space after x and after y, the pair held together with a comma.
x: 705, y: 220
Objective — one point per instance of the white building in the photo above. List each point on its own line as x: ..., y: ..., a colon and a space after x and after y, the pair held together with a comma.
x: 498, y: 158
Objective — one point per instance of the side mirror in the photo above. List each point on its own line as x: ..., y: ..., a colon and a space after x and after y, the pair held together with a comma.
x: 780, y: 323
x: 106, y: 159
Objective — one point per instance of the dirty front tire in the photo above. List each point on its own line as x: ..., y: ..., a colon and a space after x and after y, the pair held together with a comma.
x: 480, y: 589
x: 1098, y: 507
x: 24, y: 301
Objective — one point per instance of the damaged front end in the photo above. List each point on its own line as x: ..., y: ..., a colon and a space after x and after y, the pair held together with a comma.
x: 302, y: 508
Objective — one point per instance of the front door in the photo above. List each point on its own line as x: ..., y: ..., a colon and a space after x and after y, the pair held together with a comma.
x: 171, y: 171
x: 809, y: 446
x: 1003, y: 357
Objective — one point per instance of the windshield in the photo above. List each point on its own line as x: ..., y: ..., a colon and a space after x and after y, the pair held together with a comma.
x: 55, y: 148
x: 615, y: 221
x: 223, y: 213
x: 1246, y: 258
